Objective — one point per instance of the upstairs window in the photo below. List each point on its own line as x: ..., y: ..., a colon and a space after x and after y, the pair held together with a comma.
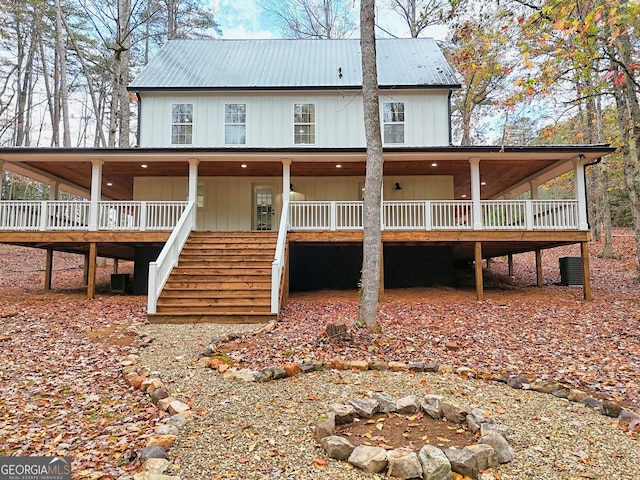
x: 182, y: 124
x: 393, y: 122
x: 235, y: 124
x: 304, y: 124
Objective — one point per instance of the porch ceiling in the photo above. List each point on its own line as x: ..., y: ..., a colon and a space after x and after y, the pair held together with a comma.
x: 503, y: 169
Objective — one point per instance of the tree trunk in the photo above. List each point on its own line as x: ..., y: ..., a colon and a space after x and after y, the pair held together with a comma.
x: 62, y: 72
x: 368, y: 309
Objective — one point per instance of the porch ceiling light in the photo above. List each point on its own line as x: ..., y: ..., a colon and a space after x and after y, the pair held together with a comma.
x: 434, y: 164
x: 464, y: 196
x: 109, y: 184
x: 144, y: 165
x: 244, y: 165
x: 483, y: 183
x: 338, y: 166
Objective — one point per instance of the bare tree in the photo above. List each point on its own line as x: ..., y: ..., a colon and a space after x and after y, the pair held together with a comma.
x: 421, y: 14
x: 317, y: 19
x: 368, y: 309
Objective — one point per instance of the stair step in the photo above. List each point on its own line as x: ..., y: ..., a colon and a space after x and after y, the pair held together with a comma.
x: 248, y: 303
x: 216, y: 285
x: 237, y: 317
x: 226, y: 262
x: 229, y: 271
x: 208, y: 309
x: 218, y: 293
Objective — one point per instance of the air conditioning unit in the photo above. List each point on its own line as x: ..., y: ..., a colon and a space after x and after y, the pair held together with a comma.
x: 570, y: 271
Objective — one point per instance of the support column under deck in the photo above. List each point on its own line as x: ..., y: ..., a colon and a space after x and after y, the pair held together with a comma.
x: 478, y: 269
x: 586, y: 277
x: 91, y: 285
x: 539, y: 277
x: 48, y: 270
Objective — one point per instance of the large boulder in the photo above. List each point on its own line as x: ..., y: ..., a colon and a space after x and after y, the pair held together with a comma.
x: 369, y: 459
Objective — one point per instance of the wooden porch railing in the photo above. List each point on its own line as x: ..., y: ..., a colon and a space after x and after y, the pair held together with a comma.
x: 57, y: 215
x: 438, y: 215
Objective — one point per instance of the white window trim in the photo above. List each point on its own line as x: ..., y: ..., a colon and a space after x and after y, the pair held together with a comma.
x: 403, y: 123
x: 246, y: 124
x: 314, y: 123
x: 172, y: 124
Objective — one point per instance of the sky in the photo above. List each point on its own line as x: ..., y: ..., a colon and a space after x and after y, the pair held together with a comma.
x: 240, y: 19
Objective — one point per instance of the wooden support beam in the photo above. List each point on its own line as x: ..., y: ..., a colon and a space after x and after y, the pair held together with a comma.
x: 86, y: 269
x: 91, y: 286
x: 478, y: 265
x: 510, y: 263
x: 381, y: 287
x: 539, y: 278
x: 115, y: 265
x: 586, y: 277
x: 48, y: 270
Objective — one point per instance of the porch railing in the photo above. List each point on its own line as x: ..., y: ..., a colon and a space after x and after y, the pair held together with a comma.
x: 438, y: 215
x: 60, y: 215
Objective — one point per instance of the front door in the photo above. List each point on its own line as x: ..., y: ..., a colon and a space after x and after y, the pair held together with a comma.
x: 263, y: 208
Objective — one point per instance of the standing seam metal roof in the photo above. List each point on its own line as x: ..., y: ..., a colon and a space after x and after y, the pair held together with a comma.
x: 203, y: 64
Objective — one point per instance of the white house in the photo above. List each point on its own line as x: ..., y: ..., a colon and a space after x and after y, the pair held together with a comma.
x: 253, y: 153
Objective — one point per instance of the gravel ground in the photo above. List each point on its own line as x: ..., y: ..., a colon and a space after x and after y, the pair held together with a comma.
x: 261, y: 431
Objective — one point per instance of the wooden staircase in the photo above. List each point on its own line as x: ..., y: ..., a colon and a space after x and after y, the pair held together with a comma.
x: 221, y: 277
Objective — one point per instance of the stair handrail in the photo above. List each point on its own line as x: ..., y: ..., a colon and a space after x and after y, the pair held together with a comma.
x: 160, y: 270
x: 277, y: 265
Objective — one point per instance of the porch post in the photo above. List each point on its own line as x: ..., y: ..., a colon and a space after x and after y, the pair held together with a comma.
x: 193, y: 179
x: 48, y: 269
x: 1, y: 176
x: 581, y: 192
x: 586, y: 277
x: 286, y: 182
x: 510, y: 264
x: 96, y: 193
x: 91, y: 286
x: 533, y: 188
x: 475, y: 193
x: 54, y: 190
x: 478, y: 268
x: 539, y: 278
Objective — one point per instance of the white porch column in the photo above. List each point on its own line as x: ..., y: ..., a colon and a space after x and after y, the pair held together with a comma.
x: 96, y: 193
x: 475, y: 193
x: 286, y: 181
x: 581, y: 192
x: 1, y: 176
x: 193, y: 179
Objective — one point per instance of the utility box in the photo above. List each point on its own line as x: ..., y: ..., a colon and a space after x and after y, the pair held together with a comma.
x: 570, y: 271
x: 120, y: 282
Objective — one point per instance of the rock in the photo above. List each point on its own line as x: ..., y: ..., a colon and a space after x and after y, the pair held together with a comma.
x: 485, y: 454
x: 463, y: 461
x: 164, y: 441
x: 452, y: 346
x: 386, y: 402
x: 177, y: 407
x: 435, y: 465
x: 152, y: 385
x: 432, y: 406
x: 128, y: 369
x: 265, y: 375
x: 339, y: 364
x: 403, y: 463
x: 629, y: 419
x: 498, y: 377
x: 151, y: 452
x: 446, y: 369
x: 611, y: 409
x: 292, y: 369
x: 137, y: 382
x: 343, y: 413
x: 477, y: 417
x: 379, y: 365
x: 158, y: 394
x: 244, y: 375
x: 417, y: 366
x: 504, y: 452
x: 360, y: 365
x: 541, y: 386
x: 431, y: 367
x: 325, y: 426
x: 156, y: 465
x: 167, y: 430
x: 369, y: 459
x: 561, y: 391
x: 592, y: 402
x: 279, y: 372
x: 204, y: 362
x: 576, y: 395
x: 130, y: 377
x: 408, y: 404
x: 337, y: 447
x: 398, y: 367
x: 219, y: 365
x: 465, y: 372
x: 364, y: 408
x: 489, y: 428
x: 307, y: 367
x: 163, y: 404
x: 207, y: 351
x: 517, y: 381
x: 453, y: 412
x: 177, y: 420
x: 269, y: 327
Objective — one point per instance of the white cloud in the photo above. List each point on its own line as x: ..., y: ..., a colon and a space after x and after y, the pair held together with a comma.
x: 241, y: 19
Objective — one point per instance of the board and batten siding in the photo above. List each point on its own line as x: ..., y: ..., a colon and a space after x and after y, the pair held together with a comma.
x: 339, y: 117
x: 229, y: 201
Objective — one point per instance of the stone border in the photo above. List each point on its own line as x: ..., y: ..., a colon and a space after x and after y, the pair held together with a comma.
x: 154, y: 455
x: 431, y: 463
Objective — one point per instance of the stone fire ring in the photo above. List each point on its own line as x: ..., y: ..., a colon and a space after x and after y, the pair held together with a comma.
x: 430, y: 463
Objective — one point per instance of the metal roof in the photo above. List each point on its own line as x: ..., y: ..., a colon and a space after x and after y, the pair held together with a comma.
x: 284, y: 64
